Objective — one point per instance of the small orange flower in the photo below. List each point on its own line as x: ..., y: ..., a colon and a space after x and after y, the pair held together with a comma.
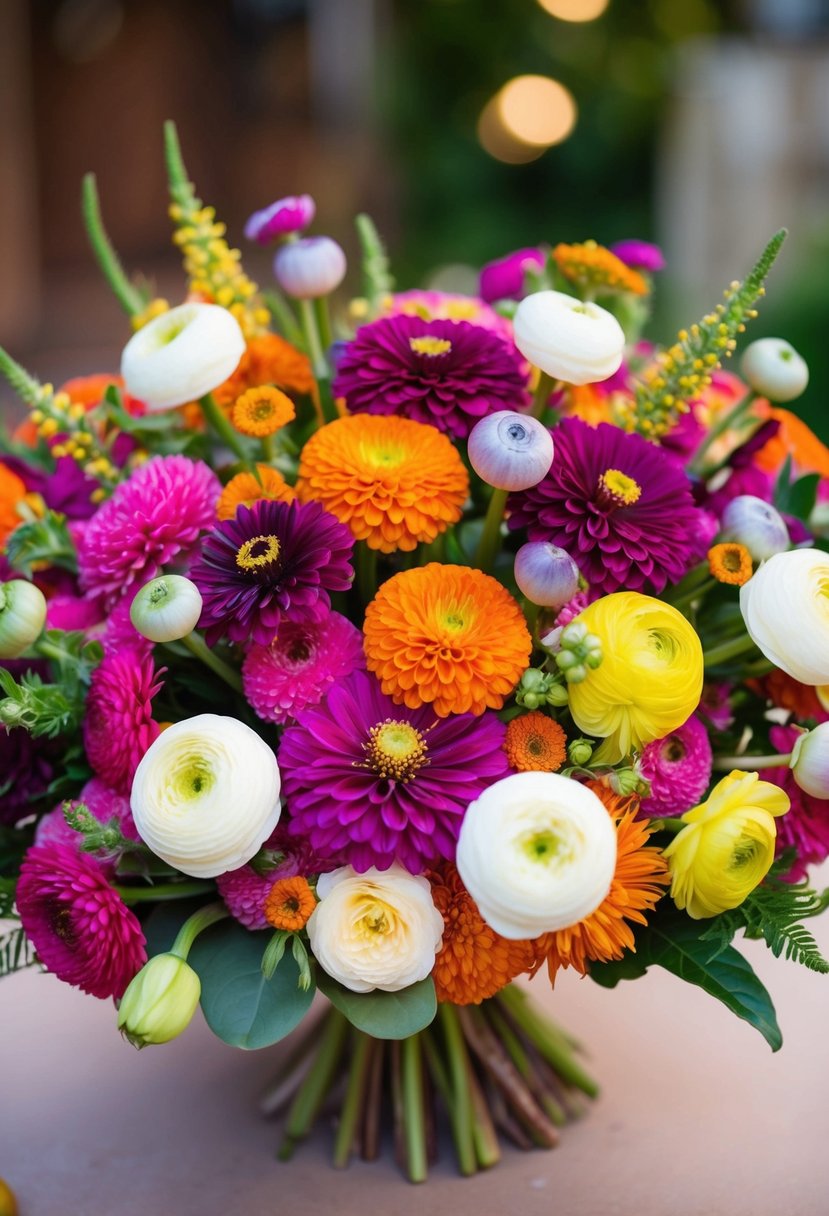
x: 638, y: 884
x: 535, y: 743
x: 289, y: 903
x: 268, y: 359
x: 395, y: 483
x: 262, y: 411
x: 12, y: 491
x: 591, y: 265
x: 730, y: 563
x: 244, y: 490
x: 448, y: 636
x: 474, y: 962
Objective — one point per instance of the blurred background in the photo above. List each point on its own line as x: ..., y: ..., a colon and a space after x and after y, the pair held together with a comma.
x: 467, y: 128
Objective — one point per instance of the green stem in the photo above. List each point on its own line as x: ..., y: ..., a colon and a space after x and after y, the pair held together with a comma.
x: 326, y: 409
x: 695, y: 593
x: 26, y: 387
x: 354, y: 1099
x: 748, y: 764
x: 491, y: 536
x: 727, y: 650
x: 313, y: 341
x: 551, y: 1043
x: 668, y: 824
x: 197, y: 646
x: 176, y: 172
x: 268, y: 448
x: 281, y: 310
x: 722, y: 424
x: 196, y: 924
x: 413, y: 1109
x: 221, y: 425
x: 461, y: 1111
x: 171, y: 890
x: 366, y: 564
x: 323, y: 317
x: 316, y: 1084
x: 543, y: 392
x: 127, y: 296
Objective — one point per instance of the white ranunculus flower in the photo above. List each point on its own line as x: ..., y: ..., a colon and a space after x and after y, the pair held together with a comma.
x: 181, y: 355
x: 380, y: 929
x: 785, y: 606
x: 572, y: 340
x: 537, y: 852
x: 810, y: 761
x: 774, y: 369
x: 167, y: 608
x: 205, y: 796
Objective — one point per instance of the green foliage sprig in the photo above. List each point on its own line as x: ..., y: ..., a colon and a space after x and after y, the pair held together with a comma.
x: 16, y: 952
x: 772, y: 913
x: 51, y: 709
x: 42, y: 540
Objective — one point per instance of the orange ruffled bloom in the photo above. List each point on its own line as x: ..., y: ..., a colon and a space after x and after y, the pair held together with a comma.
x: 395, y: 483
x: 591, y: 265
x: 12, y: 491
x: 262, y: 411
x: 244, y: 490
x: 785, y: 692
x: 730, y: 563
x: 638, y: 884
x: 474, y: 962
x: 448, y: 636
x: 794, y: 439
x: 268, y: 359
x: 535, y: 743
x: 289, y: 904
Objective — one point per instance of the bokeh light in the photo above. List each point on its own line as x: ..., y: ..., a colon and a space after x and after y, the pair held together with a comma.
x: 525, y: 118
x: 574, y: 10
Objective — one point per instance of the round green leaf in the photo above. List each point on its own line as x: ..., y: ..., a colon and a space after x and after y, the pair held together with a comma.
x: 385, y: 1015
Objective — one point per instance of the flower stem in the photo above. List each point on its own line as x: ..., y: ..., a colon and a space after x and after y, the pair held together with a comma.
x: 197, y: 646
x: 730, y: 649
x: 414, y: 1126
x: 170, y: 890
x: 316, y: 1084
x: 543, y: 391
x: 697, y: 463
x: 127, y: 296
x: 268, y: 449
x: 220, y: 424
x: 365, y: 560
x: 460, y: 1109
x: 695, y: 593
x: 354, y: 1101
x: 313, y: 341
x: 196, y: 924
x: 323, y: 317
x: 552, y: 1044
x: 491, y: 535
x: 667, y: 824
x: 750, y: 764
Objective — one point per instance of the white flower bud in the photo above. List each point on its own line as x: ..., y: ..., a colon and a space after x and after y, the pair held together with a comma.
x: 22, y: 616
x: 537, y: 852
x: 510, y: 451
x: 205, y: 796
x: 547, y: 575
x: 810, y: 761
x: 310, y: 267
x: 785, y: 606
x: 756, y: 524
x: 181, y: 355
x: 573, y: 341
x: 380, y: 929
x: 774, y: 369
x: 167, y: 608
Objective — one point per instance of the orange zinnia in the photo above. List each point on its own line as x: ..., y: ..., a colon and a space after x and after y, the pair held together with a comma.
x: 244, y: 490
x: 395, y: 483
x: 268, y: 359
x: 448, y: 636
x: 289, y: 903
x: 535, y: 743
x: 474, y: 962
x: 730, y: 563
x: 638, y: 883
x: 262, y: 411
x: 591, y: 265
x: 12, y: 491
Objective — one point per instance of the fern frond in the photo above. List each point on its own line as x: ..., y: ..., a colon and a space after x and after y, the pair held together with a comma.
x: 16, y: 952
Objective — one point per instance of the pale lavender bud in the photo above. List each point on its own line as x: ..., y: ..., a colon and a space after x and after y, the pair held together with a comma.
x: 547, y: 575
x: 755, y: 524
x: 283, y: 217
x: 510, y: 451
x: 310, y: 267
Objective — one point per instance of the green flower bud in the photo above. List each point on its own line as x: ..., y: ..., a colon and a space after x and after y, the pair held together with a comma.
x: 160, y: 1001
x: 533, y: 680
x: 625, y: 781
x: 531, y: 700
x: 574, y: 634
x: 167, y: 608
x: 580, y: 751
x: 557, y: 695
x: 566, y: 659
x: 22, y: 617
x: 575, y: 675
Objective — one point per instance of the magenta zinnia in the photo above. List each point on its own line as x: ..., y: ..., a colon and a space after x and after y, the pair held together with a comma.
x: 446, y: 373
x: 618, y: 505
x: 678, y: 769
x: 78, y: 924
x: 273, y: 562
x: 377, y: 782
x: 119, y: 727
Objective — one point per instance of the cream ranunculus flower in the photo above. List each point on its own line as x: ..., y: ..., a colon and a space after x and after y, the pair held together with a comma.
x: 567, y: 338
x: 380, y: 929
x: 810, y: 761
x: 205, y: 796
x: 537, y: 852
x: 785, y: 606
x: 181, y: 355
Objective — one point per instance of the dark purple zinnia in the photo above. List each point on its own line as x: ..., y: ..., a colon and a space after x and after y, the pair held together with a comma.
x: 620, y: 507
x: 375, y: 782
x: 273, y: 561
x: 446, y: 373
x: 26, y: 769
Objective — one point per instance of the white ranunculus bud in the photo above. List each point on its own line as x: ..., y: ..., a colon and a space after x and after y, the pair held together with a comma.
x: 181, y: 355
x: 785, y: 606
x: 309, y: 268
x: 167, y: 608
x: 205, y: 796
x: 572, y: 340
x: 510, y: 451
x: 758, y: 525
x: 774, y: 369
x: 380, y: 929
x: 22, y: 616
x: 537, y: 853
x: 810, y: 761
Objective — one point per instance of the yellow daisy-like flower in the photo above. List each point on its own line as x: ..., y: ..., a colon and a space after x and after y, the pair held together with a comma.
x: 244, y: 490
x: 592, y: 266
x: 730, y: 563
x: 448, y: 636
x: 262, y: 411
x: 395, y: 483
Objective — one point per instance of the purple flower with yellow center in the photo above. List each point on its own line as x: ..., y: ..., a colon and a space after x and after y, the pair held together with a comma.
x: 374, y: 782
x: 445, y: 373
x: 273, y: 561
x: 618, y: 505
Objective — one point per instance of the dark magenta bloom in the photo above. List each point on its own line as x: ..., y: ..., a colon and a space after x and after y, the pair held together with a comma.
x: 445, y: 373
x: 26, y: 766
x: 283, y: 217
x: 621, y: 508
x: 639, y: 255
x: 273, y: 561
x: 503, y: 279
x: 374, y: 782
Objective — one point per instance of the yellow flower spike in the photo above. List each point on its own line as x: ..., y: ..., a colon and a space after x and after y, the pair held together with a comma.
x: 727, y: 846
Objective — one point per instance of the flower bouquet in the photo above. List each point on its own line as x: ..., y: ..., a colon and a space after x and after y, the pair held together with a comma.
x: 402, y: 654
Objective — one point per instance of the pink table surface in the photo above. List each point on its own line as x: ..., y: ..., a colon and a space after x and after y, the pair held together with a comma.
x: 696, y: 1117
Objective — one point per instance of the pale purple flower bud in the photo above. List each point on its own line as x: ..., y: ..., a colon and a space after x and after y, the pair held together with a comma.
x: 756, y: 524
x: 510, y: 451
x: 503, y: 279
x: 310, y: 267
x: 639, y: 255
x: 810, y: 761
x: 283, y: 217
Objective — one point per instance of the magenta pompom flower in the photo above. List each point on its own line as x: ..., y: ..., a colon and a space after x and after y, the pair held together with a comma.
x: 377, y: 782
x: 446, y: 373
x: 805, y: 826
x: 152, y: 519
x: 621, y: 508
x: 78, y: 924
x: 299, y: 665
x: 119, y: 727
x: 678, y: 769
x: 273, y: 562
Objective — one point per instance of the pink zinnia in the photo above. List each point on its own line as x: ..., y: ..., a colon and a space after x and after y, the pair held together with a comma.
x: 300, y: 663
x: 101, y: 802
x: 78, y: 924
x: 152, y: 519
x: 805, y: 826
x: 72, y: 612
x: 119, y: 727
x: 678, y: 768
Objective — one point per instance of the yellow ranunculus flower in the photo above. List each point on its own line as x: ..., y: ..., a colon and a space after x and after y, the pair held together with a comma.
x: 727, y: 847
x: 650, y: 678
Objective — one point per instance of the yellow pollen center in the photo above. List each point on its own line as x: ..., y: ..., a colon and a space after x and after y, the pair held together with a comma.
x: 623, y: 490
x: 257, y: 552
x: 430, y: 346
x: 375, y: 919
x: 395, y: 750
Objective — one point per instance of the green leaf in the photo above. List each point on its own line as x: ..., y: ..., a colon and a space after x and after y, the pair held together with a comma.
x: 240, y: 1006
x: 7, y: 886
x: 42, y: 540
x: 797, y: 497
x: 385, y: 1015
x: 676, y: 943
x: 16, y: 952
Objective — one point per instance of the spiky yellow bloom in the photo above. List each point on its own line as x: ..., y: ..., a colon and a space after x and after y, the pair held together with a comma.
x: 262, y: 411
x: 593, y: 267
